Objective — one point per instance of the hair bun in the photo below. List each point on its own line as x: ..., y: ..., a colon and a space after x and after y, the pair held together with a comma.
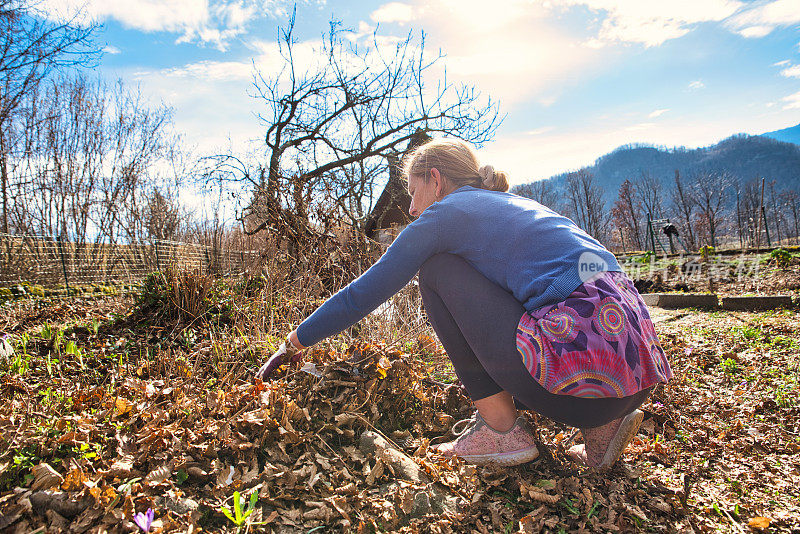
x: 487, y: 176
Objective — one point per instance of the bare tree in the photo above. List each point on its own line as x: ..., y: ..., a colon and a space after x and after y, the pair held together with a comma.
x: 94, y: 154
x: 790, y: 202
x: 683, y: 206
x: 210, y: 233
x: 542, y: 191
x: 31, y: 46
x: 778, y: 220
x: 649, y: 191
x: 627, y: 214
x: 740, y: 227
x: 750, y: 210
x: 162, y: 216
x: 331, y: 126
x: 584, y: 204
x: 709, y: 194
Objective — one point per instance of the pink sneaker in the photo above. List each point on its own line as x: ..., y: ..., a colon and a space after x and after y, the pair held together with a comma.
x: 604, y: 445
x: 480, y: 444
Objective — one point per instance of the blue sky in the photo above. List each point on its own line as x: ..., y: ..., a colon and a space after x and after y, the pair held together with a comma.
x: 575, y: 78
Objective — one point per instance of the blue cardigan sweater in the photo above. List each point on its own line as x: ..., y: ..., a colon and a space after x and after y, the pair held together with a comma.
x: 529, y: 250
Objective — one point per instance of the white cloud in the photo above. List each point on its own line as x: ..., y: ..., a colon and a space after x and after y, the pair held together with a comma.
x: 547, y: 101
x: 145, y: 15
x: 697, y: 84
x: 109, y: 49
x: 149, y: 15
x: 783, y: 63
x: 755, y: 32
x: 237, y: 14
x: 792, y: 101
x: 213, y: 115
x: 509, y: 50
x: 639, y: 127
x: 394, y: 12
x: 791, y: 72
x: 206, y: 21
x: 651, y: 22
x: 657, y: 113
x: 364, y: 30
x: 761, y: 18
x: 213, y: 70
x: 267, y: 60
x: 539, y: 131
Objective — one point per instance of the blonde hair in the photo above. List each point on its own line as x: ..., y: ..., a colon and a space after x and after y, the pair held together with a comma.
x: 457, y: 162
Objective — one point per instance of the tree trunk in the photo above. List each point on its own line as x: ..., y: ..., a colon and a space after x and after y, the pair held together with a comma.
x: 739, y: 222
x: 758, y: 216
x: 775, y: 214
x: 4, y: 178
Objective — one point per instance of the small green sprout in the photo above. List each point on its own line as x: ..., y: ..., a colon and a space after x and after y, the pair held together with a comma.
x: 782, y: 257
x: 20, y: 363
x: 73, y: 349
x: 239, y: 515
x: 729, y: 366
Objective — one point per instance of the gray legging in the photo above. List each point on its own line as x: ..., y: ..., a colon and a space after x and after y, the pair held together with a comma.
x: 476, y: 321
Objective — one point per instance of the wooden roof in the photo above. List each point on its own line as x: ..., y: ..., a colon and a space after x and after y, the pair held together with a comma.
x: 393, y: 204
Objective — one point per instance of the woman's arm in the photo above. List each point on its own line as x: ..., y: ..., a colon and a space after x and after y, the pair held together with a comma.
x: 402, y: 260
x: 293, y: 339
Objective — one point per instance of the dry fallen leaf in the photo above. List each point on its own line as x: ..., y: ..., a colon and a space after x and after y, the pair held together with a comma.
x: 759, y: 522
x: 158, y: 475
x: 45, y: 477
x: 103, y: 496
x: 121, y: 407
x: 74, y: 480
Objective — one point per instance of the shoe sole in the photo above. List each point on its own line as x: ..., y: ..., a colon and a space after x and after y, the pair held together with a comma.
x: 503, y: 458
x: 625, y: 434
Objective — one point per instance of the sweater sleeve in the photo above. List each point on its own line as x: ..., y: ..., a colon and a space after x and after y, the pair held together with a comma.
x: 398, y: 265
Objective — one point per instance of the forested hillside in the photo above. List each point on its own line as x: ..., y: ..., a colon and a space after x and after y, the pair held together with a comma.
x: 741, y: 157
x: 787, y: 135
x: 714, y: 195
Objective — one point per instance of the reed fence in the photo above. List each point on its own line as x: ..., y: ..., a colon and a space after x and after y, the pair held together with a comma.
x: 50, y: 261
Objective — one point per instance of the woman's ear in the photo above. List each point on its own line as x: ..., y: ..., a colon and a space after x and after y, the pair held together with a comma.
x: 438, y: 182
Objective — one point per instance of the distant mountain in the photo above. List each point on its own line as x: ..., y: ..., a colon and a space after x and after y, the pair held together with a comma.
x: 742, y: 157
x: 787, y: 135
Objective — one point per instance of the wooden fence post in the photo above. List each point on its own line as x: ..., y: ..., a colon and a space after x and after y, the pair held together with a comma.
x: 63, y: 262
x: 766, y: 226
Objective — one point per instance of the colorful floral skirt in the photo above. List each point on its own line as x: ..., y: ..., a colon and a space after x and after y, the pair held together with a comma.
x: 599, y: 342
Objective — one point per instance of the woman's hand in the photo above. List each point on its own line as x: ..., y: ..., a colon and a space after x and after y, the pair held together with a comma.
x: 290, y: 351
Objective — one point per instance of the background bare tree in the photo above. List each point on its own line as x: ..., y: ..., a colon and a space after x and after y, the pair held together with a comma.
x: 542, y: 191
x: 683, y: 210
x: 93, y: 155
x: 750, y: 210
x: 162, y: 216
x: 710, y: 197
x: 790, y: 203
x: 584, y: 204
x: 777, y: 220
x: 627, y: 215
x: 31, y: 46
x: 650, y: 193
